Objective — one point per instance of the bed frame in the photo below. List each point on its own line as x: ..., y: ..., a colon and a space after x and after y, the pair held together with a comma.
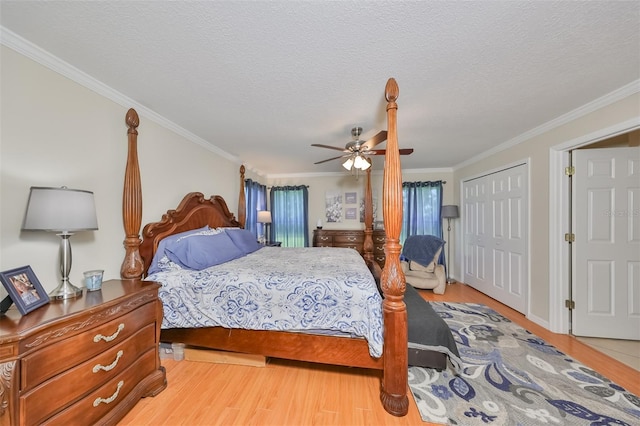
x: 196, y: 211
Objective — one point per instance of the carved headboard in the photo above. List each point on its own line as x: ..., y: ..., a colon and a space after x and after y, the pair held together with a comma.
x: 194, y: 211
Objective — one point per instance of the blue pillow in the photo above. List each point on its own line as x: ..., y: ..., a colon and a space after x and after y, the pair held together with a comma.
x: 199, y: 252
x: 167, y: 241
x: 244, y: 240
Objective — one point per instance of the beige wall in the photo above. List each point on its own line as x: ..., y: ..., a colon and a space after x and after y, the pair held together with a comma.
x: 56, y: 132
x: 538, y: 150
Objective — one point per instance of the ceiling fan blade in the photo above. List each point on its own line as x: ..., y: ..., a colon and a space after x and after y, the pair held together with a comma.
x: 334, y: 158
x: 329, y: 146
x: 380, y: 137
x: 403, y: 151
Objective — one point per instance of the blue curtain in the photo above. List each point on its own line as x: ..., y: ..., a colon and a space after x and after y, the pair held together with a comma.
x: 290, y: 215
x: 256, y: 198
x: 422, y: 202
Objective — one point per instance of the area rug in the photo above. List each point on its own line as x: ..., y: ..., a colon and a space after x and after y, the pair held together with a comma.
x: 512, y: 377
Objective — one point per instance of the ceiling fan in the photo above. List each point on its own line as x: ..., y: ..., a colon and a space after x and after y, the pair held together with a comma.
x: 357, y: 150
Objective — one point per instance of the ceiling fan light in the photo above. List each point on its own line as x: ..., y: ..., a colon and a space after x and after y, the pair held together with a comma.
x: 360, y: 163
x: 347, y: 164
x: 366, y: 165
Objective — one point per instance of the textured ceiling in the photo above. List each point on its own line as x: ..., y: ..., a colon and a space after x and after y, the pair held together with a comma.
x: 262, y: 81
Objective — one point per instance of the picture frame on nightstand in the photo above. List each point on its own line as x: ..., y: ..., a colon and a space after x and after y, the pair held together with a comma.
x: 24, y: 289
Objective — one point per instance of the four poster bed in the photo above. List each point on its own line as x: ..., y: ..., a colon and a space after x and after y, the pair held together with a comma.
x: 376, y: 349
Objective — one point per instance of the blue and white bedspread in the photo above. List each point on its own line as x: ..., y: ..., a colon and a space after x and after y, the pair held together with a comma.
x: 319, y: 289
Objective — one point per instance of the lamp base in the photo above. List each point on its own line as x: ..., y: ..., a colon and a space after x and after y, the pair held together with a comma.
x: 65, y: 290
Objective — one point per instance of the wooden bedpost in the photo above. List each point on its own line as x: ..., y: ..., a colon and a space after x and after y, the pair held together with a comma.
x: 132, y: 265
x: 242, y: 202
x: 368, y: 255
x: 395, y: 377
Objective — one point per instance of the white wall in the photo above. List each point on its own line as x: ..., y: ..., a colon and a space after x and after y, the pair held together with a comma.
x: 56, y: 132
x: 538, y: 150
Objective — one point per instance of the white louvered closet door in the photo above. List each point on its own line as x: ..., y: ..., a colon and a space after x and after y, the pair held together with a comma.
x: 495, y: 217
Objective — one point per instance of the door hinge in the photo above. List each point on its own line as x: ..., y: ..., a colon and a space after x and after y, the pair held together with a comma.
x: 569, y: 171
x: 570, y: 237
x: 570, y: 304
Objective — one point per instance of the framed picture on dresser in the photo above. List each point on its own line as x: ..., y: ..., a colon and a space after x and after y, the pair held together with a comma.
x: 24, y: 289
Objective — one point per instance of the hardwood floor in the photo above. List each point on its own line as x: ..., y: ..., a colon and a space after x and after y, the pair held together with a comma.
x: 295, y: 393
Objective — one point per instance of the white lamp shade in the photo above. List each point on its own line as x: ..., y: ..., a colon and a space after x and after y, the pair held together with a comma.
x: 450, y: 212
x: 359, y: 163
x: 60, y: 210
x: 347, y: 164
x: 365, y: 164
x: 264, y: 216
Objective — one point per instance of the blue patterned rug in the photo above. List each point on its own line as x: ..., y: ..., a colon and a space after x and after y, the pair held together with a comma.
x: 512, y: 377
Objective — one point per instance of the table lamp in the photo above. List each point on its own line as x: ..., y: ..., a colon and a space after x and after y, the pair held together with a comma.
x: 64, y: 211
x: 264, y: 217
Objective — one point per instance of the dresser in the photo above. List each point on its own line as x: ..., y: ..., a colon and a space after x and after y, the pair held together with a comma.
x: 82, y: 361
x: 351, y: 239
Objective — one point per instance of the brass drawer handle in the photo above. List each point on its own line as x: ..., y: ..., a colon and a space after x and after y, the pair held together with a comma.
x: 324, y: 238
x: 109, y: 400
x: 351, y: 238
x: 109, y: 367
x: 99, y: 337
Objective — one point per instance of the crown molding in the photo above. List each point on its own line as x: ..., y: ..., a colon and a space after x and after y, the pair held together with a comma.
x: 608, y: 99
x: 26, y: 48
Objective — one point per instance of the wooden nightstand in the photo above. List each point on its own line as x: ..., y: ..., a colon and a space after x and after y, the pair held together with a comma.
x: 86, y: 360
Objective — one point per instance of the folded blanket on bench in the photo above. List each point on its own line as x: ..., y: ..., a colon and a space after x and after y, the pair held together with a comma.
x: 422, y: 248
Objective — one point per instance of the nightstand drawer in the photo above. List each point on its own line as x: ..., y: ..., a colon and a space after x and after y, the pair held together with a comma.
x: 71, y: 385
x: 62, y: 355
x: 97, y: 404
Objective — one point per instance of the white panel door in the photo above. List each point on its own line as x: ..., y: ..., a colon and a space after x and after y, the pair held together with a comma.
x: 474, y: 214
x: 495, y: 215
x: 606, y: 276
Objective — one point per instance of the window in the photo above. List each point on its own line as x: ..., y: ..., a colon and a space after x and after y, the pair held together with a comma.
x: 290, y: 215
x: 421, y: 204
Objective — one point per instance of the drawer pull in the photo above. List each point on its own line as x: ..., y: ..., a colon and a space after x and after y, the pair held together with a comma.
x: 99, y: 337
x: 351, y: 238
x: 109, y: 367
x: 109, y: 400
